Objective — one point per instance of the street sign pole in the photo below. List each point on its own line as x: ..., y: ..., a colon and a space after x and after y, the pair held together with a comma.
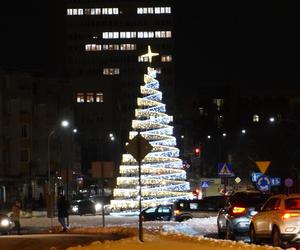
x: 139, y: 147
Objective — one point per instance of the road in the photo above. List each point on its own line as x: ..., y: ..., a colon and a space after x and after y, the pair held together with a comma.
x: 48, y: 241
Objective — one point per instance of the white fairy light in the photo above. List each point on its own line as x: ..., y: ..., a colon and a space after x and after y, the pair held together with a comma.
x: 162, y: 175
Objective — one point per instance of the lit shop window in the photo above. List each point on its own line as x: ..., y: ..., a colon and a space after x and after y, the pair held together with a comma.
x: 153, y: 10
x: 166, y: 58
x: 80, y: 97
x: 90, y: 97
x: 255, y: 118
x: 143, y: 59
x: 111, y: 46
x: 92, y: 47
x: 99, y: 97
x: 111, y: 71
x: 128, y: 46
x: 145, y: 34
x: 127, y: 34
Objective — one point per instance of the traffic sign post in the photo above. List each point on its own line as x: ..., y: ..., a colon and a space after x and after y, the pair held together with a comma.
x: 263, y: 183
x: 225, y: 171
x: 139, y: 147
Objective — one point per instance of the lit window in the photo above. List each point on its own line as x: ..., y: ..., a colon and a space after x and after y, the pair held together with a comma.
x: 92, y: 47
x: 111, y: 71
x: 87, y: 11
x: 110, y: 46
x: 80, y: 97
x: 166, y: 58
x: 143, y: 59
x: 89, y: 97
x: 158, y: 70
x: 127, y: 46
x: 255, y: 118
x: 99, y: 97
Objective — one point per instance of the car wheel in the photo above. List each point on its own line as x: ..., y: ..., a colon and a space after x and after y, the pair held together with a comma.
x: 276, y: 239
x: 252, y: 234
x: 229, y: 234
x: 221, y: 235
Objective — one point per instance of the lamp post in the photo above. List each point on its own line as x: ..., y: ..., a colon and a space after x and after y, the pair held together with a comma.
x: 64, y: 123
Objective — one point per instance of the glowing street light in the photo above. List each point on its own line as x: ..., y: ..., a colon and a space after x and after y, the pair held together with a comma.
x: 64, y: 123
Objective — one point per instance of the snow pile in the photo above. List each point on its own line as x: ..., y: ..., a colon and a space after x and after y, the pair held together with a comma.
x: 171, y: 242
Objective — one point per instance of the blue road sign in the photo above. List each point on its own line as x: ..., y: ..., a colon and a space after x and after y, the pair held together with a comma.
x: 263, y: 183
x: 255, y: 176
x: 275, y: 181
x: 225, y: 170
x: 204, y: 184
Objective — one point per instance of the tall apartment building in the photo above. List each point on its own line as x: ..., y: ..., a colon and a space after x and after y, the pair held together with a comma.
x: 104, y: 40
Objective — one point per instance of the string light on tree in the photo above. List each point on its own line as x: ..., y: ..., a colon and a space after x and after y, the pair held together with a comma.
x: 162, y: 175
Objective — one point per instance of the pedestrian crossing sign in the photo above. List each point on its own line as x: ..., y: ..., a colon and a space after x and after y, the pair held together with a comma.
x: 225, y: 169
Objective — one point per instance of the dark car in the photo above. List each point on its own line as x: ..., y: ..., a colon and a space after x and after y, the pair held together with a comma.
x: 234, y: 218
x: 6, y: 224
x: 160, y: 212
x: 85, y: 206
x: 206, y: 207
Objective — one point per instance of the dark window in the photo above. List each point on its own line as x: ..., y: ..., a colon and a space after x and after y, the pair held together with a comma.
x: 292, y: 203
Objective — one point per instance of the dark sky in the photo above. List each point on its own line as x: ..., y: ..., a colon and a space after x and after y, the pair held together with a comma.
x: 241, y: 42
x: 216, y: 41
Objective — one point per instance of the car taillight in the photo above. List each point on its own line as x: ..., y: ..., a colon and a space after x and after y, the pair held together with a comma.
x: 176, y: 211
x: 238, y: 210
x: 289, y: 215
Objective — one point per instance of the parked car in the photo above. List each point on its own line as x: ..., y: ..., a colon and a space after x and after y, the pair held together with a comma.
x: 188, y: 209
x: 278, y: 220
x: 6, y: 224
x: 234, y: 218
x: 160, y: 212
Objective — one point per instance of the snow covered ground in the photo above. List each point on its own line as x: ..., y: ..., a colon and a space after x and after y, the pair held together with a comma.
x: 188, y: 235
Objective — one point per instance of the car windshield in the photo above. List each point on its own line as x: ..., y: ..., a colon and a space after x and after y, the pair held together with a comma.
x: 292, y: 204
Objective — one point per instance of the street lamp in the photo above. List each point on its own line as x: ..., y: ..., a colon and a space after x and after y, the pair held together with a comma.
x: 64, y: 123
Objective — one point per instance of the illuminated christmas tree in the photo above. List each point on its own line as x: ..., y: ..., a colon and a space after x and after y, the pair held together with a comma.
x: 162, y: 175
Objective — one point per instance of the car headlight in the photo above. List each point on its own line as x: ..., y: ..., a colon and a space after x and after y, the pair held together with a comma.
x: 98, y: 206
x: 75, y: 209
x: 5, y: 222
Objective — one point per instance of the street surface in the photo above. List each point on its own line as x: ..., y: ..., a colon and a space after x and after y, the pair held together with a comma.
x: 46, y: 241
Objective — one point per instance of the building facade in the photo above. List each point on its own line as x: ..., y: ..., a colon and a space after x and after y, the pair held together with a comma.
x: 103, y: 43
x: 31, y: 109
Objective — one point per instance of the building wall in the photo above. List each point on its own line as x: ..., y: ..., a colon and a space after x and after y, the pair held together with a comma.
x: 30, y: 108
x: 85, y: 67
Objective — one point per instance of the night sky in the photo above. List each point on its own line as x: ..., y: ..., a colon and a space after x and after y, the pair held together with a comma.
x: 221, y: 41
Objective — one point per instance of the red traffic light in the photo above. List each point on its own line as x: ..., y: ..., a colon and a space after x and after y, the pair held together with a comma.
x: 197, y: 152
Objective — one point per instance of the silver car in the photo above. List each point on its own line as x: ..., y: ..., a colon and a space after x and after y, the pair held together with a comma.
x: 234, y: 218
x: 278, y: 220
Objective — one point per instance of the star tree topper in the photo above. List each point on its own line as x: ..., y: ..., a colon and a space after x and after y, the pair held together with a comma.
x: 150, y: 54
